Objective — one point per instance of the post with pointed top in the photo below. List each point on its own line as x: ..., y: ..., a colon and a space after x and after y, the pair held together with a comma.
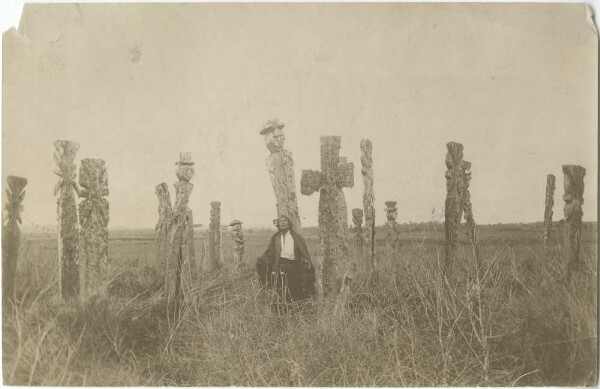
x: 573, y: 198
x: 550, y: 186
x: 333, y: 176
x: 11, y: 235
x: 68, y: 231
x: 366, y: 161
x: 214, y: 237
x: 280, y: 165
x: 93, y: 218
x: 180, y: 269
x: 165, y: 213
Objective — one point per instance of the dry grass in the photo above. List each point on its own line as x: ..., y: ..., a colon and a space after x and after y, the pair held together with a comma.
x: 517, y: 323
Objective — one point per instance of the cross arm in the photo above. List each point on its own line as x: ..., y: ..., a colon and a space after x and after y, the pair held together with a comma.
x: 311, y: 181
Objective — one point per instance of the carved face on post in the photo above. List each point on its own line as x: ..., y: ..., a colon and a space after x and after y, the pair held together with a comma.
x: 357, y: 217
x: 274, y: 135
x: 185, y: 167
x: 185, y: 172
x: 275, y: 140
x: 391, y: 211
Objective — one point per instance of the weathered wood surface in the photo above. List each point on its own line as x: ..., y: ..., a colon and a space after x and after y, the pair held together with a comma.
x: 214, y: 259
x: 392, y: 229
x: 548, y: 211
x: 458, y: 202
x: 280, y: 165
x: 366, y: 161
x: 332, y: 234
x: 11, y: 235
x: 93, y: 218
x: 359, y: 237
x: 180, y: 272
x: 453, y: 204
x: 68, y: 230
x: 165, y: 213
x: 573, y: 197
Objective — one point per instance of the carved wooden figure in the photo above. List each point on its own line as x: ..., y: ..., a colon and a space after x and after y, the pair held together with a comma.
x: 359, y: 238
x: 467, y: 209
x: 11, y: 234
x: 392, y: 229
x: 93, y: 218
x: 280, y: 165
x: 238, y: 242
x: 366, y: 161
x: 332, y: 237
x: 453, y: 205
x: 68, y: 231
x: 548, y: 212
x: 573, y: 198
x: 180, y: 267
x: 214, y: 237
x: 165, y: 213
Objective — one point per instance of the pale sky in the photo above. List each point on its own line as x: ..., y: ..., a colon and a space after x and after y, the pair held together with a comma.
x: 136, y: 84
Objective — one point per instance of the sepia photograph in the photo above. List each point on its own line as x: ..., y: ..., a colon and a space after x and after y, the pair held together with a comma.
x: 300, y: 195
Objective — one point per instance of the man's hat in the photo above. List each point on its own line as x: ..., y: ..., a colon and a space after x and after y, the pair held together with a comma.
x: 234, y: 222
x: 185, y: 159
x: 271, y: 126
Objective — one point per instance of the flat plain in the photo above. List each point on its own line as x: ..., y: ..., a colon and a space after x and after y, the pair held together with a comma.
x: 522, y: 322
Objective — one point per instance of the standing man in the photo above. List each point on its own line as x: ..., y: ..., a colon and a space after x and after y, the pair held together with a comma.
x: 286, y: 264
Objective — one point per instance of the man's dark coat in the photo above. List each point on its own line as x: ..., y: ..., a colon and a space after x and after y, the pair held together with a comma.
x: 266, y: 263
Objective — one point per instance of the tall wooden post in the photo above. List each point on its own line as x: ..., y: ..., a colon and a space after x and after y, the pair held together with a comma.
x: 11, y: 235
x: 329, y: 182
x: 550, y: 186
x: 359, y: 239
x: 68, y: 232
x: 453, y: 205
x: 392, y: 229
x: 165, y: 213
x: 179, y: 272
x: 573, y: 198
x: 366, y: 161
x: 214, y: 237
x: 280, y: 165
x: 93, y: 218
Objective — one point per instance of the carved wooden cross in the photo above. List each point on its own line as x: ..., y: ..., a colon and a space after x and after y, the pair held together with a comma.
x: 334, y: 176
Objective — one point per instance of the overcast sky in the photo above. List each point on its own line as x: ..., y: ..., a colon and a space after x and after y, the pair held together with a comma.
x: 137, y: 84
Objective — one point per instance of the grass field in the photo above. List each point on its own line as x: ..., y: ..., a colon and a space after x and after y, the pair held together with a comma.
x: 520, y: 323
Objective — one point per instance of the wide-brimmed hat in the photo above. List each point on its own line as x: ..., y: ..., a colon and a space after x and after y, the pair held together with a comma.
x: 185, y: 158
x: 234, y: 222
x: 391, y: 204
x: 271, y: 126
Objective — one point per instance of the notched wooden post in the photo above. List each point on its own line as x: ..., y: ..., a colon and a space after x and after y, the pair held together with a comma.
x: 11, y: 235
x: 68, y: 232
x: 366, y: 161
x: 280, y: 165
x: 573, y: 198
x: 453, y: 205
x: 180, y: 269
x: 165, y: 213
x: 359, y: 238
x: 548, y: 212
x: 238, y: 242
x: 93, y: 218
x: 392, y: 230
x: 334, y: 176
x: 214, y: 237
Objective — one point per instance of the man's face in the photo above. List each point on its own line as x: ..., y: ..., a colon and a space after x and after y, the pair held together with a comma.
x: 283, y: 224
x: 237, y: 227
